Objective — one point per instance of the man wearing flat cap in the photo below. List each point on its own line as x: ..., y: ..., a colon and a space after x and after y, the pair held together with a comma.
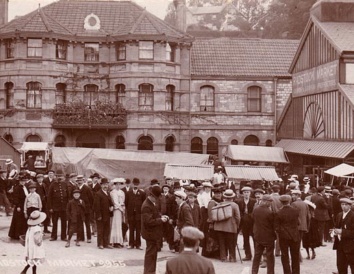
x: 246, y: 205
x: 286, y: 225
x: 151, y: 228
x: 321, y: 211
x: 264, y: 234
x: 344, y: 237
x: 189, y: 261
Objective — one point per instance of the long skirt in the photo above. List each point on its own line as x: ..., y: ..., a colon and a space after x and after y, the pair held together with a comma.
x: 18, y: 225
x: 116, y: 228
x: 312, y: 238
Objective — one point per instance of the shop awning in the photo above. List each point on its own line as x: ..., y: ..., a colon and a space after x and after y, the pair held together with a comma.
x: 266, y: 173
x: 341, y: 170
x: 256, y: 154
x: 35, y: 146
x: 189, y: 172
x: 339, y: 150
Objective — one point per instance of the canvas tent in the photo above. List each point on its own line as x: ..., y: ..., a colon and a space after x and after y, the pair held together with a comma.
x: 189, y: 172
x: 266, y: 173
x: 255, y: 154
x: 112, y: 163
x: 342, y: 170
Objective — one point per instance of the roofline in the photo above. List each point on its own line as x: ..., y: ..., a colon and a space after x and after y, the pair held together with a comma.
x: 239, y: 77
x: 343, y: 93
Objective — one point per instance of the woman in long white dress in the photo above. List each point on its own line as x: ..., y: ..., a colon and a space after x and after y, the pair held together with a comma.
x: 118, y: 198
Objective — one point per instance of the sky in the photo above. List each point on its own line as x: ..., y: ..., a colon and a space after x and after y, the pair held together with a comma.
x: 22, y: 7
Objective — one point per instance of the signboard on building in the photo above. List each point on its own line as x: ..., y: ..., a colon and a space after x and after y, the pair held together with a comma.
x: 316, y: 80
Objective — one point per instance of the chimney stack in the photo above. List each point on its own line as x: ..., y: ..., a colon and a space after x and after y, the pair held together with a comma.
x: 181, y: 14
x: 4, y: 11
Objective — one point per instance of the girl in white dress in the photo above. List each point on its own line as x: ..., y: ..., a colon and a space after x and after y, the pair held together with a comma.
x: 118, y: 198
x: 34, y: 249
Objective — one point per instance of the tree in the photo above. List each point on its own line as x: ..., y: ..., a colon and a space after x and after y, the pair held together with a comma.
x: 287, y: 18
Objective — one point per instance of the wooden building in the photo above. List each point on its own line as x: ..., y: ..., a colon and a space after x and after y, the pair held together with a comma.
x: 317, y: 127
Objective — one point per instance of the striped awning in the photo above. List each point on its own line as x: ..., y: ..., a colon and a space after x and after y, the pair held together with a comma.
x: 256, y: 154
x: 338, y: 150
x: 189, y: 172
x: 266, y: 173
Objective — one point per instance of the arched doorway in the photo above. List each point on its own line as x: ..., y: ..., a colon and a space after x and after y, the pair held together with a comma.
x: 197, y: 145
x: 33, y: 138
x: 91, y: 140
x: 251, y: 140
x: 59, y: 141
x: 170, y: 143
x: 145, y: 143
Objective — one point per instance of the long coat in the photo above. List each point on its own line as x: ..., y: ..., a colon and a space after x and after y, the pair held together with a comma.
x: 263, y: 227
x: 184, y: 216
x: 133, y: 203
x: 75, y: 209
x: 58, y: 196
x: 87, y: 196
x: 304, y: 214
x: 346, y: 242
x: 189, y: 262
x: 101, y: 206
x: 287, y: 222
x: 196, y: 214
x: 18, y: 223
x: 151, y: 223
x: 321, y: 211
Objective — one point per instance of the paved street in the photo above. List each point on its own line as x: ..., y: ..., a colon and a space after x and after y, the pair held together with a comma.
x: 88, y: 259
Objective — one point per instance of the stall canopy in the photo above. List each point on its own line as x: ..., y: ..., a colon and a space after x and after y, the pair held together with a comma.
x: 8, y: 151
x: 35, y: 146
x: 112, y: 163
x: 189, y: 172
x: 256, y: 154
x: 266, y: 173
x: 342, y: 170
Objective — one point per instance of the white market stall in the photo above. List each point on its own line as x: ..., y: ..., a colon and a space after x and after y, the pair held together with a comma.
x: 343, y: 170
x: 189, y: 172
x: 40, y: 151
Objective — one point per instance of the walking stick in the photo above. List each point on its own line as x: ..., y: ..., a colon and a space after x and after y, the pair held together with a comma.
x: 239, y: 253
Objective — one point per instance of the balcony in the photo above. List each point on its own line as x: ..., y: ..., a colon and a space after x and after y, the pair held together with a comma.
x: 77, y: 115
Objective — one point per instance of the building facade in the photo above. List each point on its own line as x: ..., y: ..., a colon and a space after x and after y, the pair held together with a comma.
x: 108, y: 74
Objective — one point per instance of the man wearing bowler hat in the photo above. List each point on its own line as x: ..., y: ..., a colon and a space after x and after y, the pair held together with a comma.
x: 151, y: 228
x: 246, y: 205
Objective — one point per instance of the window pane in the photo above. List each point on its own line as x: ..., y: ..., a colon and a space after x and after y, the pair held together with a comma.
x: 35, y: 43
x: 61, y: 49
x: 207, y: 98
x: 10, y: 48
x: 254, y: 98
x: 121, y: 52
x: 146, y: 50
x: 92, y: 52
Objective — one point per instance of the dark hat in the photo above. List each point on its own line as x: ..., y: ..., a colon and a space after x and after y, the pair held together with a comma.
x: 32, y: 185
x: 176, y: 184
x: 335, y: 192
x: 136, y: 181
x: 155, y: 191
x: 22, y: 175
x: 163, y: 186
x: 217, y: 190
x: 154, y: 182
x: 192, y: 232
x: 346, y: 201
x: 192, y: 194
x: 258, y: 190
x: 267, y: 198
x: 285, y: 198
x: 320, y: 188
x: 95, y: 175
x: 127, y: 181
x: 104, y: 181
x: 51, y: 170
x: 348, y: 191
x: 60, y: 173
x: 39, y: 175
x: 276, y: 187
x: 76, y: 191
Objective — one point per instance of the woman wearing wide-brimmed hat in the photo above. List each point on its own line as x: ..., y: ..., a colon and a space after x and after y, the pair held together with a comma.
x: 34, y: 249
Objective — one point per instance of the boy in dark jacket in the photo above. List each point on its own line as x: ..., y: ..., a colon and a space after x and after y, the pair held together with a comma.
x: 75, y: 212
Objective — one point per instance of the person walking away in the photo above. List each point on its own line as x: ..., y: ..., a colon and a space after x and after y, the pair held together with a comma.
x: 118, y: 199
x: 103, y: 207
x: 33, y: 201
x: 343, y: 233
x: 188, y: 261
x: 321, y: 211
x: 75, y: 212
x: 34, y: 247
x: 286, y: 224
x: 311, y: 239
x: 151, y: 229
x: 264, y: 234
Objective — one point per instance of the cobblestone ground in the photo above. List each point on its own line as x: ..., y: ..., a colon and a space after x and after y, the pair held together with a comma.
x: 88, y: 259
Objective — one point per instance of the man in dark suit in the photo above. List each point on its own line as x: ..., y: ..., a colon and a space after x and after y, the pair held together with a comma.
x: 87, y: 196
x: 126, y: 189
x: 264, y: 234
x: 57, y: 201
x: 72, y: 184
x: 95, y: 187
x: 42, y: 192
x: 246, y: 205
x: 151, y: 228
x: 103, y: 207
x: 189, y: 261
x: 344, y: 237
x: 184, y: 213
x: 133, y: 202
x: 50, y: 179
x: 286, y: 225
x: 321, y: 211
x: 3, y: 192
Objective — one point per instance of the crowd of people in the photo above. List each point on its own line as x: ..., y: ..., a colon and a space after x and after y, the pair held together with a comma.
x: 276, y: 219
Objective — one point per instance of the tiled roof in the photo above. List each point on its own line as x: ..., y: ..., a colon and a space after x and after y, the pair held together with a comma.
x: 242, y: 57
x: 116, y: 18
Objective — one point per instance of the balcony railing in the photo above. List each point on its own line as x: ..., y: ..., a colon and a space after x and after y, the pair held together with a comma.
x: 99, y: 116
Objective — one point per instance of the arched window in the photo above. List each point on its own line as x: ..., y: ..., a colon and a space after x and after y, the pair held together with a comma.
x: 170, y: 52
x: 170, y: 143
x: 254, y: 99
x: 269, y: 143
x: 146, y: 97
x: 145, y: 143
x: 59, y: 141
x: 120, y: 142
x: 120, y: 94
x: 251, y: 140
x: 8, y: 137
x: 213, y: 146
x: 60, y: 94
x: 34, y: 95
x: 33, y: 138
x: 207, y: 98
x: 90, y: 94
x: 234, y: 142
x: 169, y: 97
x: 197, y: 145
x: 9, y: 90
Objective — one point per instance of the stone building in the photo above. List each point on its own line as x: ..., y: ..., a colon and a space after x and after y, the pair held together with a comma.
x: 109, y: 74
